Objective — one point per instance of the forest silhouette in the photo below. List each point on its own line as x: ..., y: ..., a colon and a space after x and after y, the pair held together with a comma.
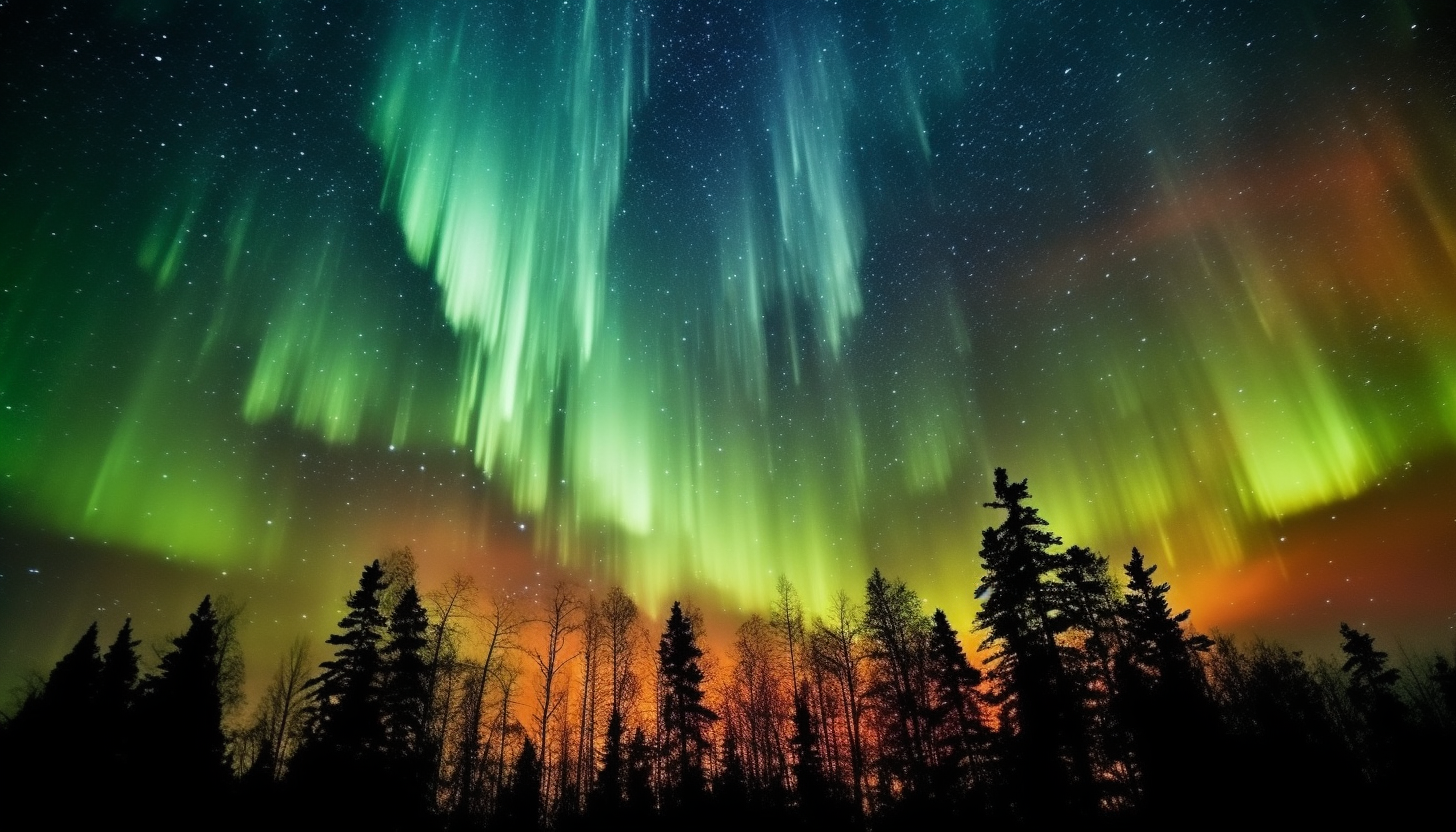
x: 1091, y: 702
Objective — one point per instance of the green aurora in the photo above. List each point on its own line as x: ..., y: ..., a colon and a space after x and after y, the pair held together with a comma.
x: 686, y: 296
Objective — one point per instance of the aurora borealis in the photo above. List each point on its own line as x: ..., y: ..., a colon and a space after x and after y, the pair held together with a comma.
x: 683, y: 296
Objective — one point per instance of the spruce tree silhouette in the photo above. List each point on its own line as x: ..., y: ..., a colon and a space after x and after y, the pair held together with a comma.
x: 520, y: 804
x: 370, y: 711
x: 116, y: 697
x: 1398, y: 760
x: 51, y: 740
x: 810, y: 789
x: 1020, y: 615
x: 120, y: 669
x: 346, y: 694
x: 1162, y: 698
x: 684, y: 717
x: 604, y: 804
x: 1087, y: 600
x: 73, y: 682
x: 963, y: 781
x: 344, y: 744
x: 405, y: 703
x: 181, y: 710
x: 1155, y: 636
x: 955, y: 714
x: 641, y: 803
x: 1372, y: 684
x: 732, y: 802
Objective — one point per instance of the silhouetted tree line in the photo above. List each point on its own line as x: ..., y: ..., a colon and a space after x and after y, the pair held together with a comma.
x: 1093, y: 703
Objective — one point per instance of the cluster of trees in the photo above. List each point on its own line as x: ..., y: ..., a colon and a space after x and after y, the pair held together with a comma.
x: 1092, y: 702
x: 97, y: 734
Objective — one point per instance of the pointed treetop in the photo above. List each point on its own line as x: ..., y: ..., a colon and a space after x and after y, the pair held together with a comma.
x: 75, y: 676
x: 1156, y: 635
x: 1366, y: 665
x: 121, y: 667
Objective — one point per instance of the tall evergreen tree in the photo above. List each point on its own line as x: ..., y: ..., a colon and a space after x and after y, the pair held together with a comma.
x: 346, y: 695
x: 605, y: 800
x: 1370, y: 680
x: 405, y: 704
x: 116, y: 696
x: 406, y: 673
x: 956, y: 711
x: 731, y: 796
x: 51, y: 739
x: 1390, y: 745
x: 1162, y: 699
x: 73, y: 682
x: 182, y: 740
x: 1155, y: 636
x: 641, y: 803
x: 520, y: 804
x: 1021, y: 616
x: 120, y: 669
x: 960, y: 782
x: 1088, y: 602
x: 344, y: 746
x: 684, y: 718
x: 810, y: 786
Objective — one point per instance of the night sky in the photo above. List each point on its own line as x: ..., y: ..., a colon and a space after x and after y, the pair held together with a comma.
x: 687, y: 295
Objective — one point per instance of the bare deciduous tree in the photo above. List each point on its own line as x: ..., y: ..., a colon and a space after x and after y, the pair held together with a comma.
x: 500, y: 628
x: 282, y: 713
x: 593, y: 644
x: 625, y: 635
x: 786, y: 617
x: 560, y: 620
x: 837, y: 647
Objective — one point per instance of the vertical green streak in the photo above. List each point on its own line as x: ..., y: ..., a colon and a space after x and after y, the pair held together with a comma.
x: 505, y: 143
x: 820, y: 228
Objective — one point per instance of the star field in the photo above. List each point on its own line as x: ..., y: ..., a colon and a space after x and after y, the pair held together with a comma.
x: 683, y: 296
